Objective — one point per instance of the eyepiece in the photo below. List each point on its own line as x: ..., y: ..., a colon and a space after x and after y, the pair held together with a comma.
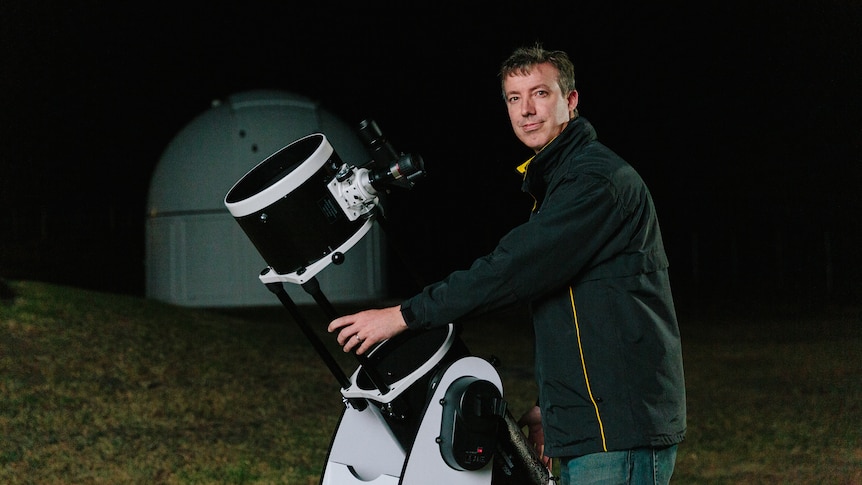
x: 402, y: 172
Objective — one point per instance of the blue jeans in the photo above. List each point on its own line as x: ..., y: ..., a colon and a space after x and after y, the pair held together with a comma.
x: 640, y: 466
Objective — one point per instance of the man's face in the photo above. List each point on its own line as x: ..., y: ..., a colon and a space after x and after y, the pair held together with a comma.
x: 538, y: 109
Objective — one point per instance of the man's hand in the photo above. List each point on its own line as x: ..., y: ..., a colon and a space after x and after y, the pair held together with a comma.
x: 363, y: 330
x: 532, y: 419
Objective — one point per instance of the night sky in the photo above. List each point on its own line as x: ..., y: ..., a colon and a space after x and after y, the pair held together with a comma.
x: 744, y: 118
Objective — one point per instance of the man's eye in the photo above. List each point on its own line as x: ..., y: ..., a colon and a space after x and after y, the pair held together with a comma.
x: 541, y: 94
x: 513, y: 99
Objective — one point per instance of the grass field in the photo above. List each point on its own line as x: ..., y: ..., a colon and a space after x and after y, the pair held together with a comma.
x: 107, y: 389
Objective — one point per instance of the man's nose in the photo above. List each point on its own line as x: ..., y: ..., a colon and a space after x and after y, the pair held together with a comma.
x: 527, y: 107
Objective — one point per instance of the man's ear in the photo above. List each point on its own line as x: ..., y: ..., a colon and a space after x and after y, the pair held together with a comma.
x: 573, y: 101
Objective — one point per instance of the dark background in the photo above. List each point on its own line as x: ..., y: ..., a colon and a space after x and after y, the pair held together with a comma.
x: 744, y: 118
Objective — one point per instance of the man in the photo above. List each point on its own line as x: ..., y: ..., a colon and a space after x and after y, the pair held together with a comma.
x: 591, y: 264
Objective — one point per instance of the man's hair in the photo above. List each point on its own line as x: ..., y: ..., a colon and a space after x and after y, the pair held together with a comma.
x: 523, y: 59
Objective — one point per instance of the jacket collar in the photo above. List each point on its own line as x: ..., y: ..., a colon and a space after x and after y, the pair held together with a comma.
x: 578, y: 129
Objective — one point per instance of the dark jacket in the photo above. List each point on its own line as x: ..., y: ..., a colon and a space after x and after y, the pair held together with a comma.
x: 591, y: 263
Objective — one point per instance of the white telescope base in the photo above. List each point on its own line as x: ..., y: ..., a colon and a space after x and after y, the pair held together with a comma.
x: 365, y: 451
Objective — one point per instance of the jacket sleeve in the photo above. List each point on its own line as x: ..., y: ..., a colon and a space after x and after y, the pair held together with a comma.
x: 570, y: 232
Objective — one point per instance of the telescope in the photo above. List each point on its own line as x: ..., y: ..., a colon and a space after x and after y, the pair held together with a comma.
x: 303, y: 207
x: 419, y: 409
